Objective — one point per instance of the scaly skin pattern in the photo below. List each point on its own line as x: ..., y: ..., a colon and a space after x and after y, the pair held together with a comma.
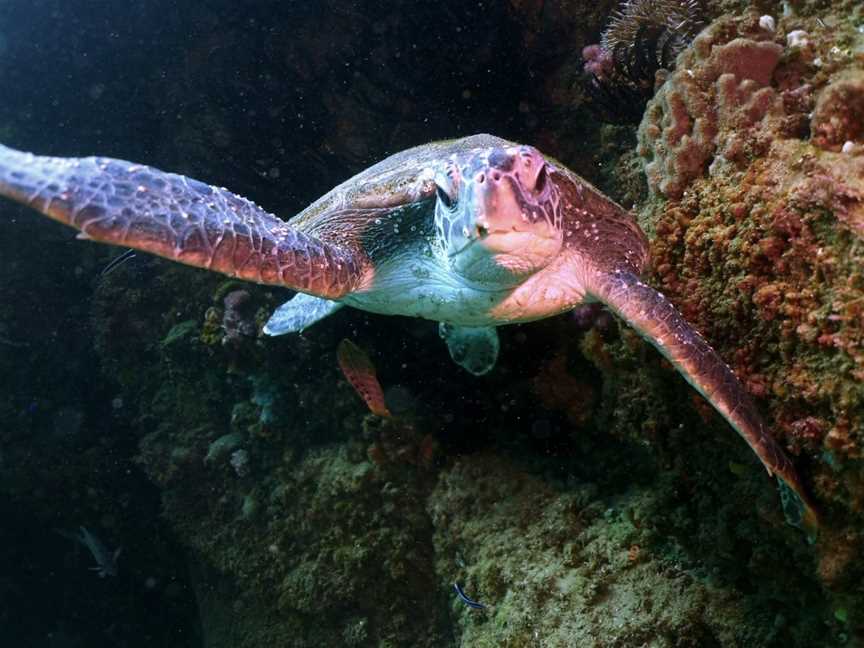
x: 654, y: 316
x: 178, y: 218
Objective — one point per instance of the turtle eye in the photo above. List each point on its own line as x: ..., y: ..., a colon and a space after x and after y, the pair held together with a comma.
x: 445, y: 189
x: 445, y: 198
x: 540, y: 182
x: 446, y: 181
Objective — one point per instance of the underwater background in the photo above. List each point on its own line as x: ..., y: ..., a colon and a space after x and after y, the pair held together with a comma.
x: 582, y: 491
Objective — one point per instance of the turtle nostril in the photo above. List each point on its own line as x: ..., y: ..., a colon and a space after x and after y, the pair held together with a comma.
x: 496, y: 176
x: 481, y: 178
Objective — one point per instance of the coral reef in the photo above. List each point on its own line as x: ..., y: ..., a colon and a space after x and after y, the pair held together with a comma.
x: 565, y: 566
x: 717, y: 87
x: 330, y: 536
x: 753, y: 152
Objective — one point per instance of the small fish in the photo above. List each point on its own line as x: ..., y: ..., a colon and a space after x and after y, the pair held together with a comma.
x: 468, y: 601
x: 360, y: 372
x: 106, y: 561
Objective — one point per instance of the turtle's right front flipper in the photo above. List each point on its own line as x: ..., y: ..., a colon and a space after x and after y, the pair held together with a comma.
x: 179, y: 218
x: 650, y: 313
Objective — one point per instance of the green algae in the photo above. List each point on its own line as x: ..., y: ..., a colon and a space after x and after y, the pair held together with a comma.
x: 179, y: 332
x: 567, y: 569
x: 219, y: 449
x: 249, y: 507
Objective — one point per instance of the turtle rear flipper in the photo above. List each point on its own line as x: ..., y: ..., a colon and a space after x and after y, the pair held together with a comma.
x: 474, y: 348
x: 655, y: 318
x: 299, y: 313
x: 179, y: 218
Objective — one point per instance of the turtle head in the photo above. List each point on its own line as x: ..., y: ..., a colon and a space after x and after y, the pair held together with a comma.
x: 498, y: 213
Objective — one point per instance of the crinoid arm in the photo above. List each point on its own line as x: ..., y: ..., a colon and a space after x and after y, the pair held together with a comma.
x: 655, y: 318
x: 178, y: 218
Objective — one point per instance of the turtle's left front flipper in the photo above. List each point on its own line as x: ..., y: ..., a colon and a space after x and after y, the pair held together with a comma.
x: 650, y: 313
x: 179, y: 218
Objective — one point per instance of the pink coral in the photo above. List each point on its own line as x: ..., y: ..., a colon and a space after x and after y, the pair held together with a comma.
x: 597, y: 61
x: 717, y: 88
x: 839, y: 114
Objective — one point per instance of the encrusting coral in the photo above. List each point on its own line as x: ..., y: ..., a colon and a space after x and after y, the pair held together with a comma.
x: 717, y: 87
x: 753, y: 152
x: 838, y: 119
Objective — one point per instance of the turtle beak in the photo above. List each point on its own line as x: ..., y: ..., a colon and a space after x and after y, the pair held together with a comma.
x: 479, y: 233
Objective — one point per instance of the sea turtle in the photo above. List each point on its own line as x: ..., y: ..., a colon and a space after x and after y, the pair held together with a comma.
x: 472, y: 233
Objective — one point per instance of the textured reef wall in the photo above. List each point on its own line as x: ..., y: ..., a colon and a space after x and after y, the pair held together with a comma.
x: 582, y: 492
x: 754, y: 153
